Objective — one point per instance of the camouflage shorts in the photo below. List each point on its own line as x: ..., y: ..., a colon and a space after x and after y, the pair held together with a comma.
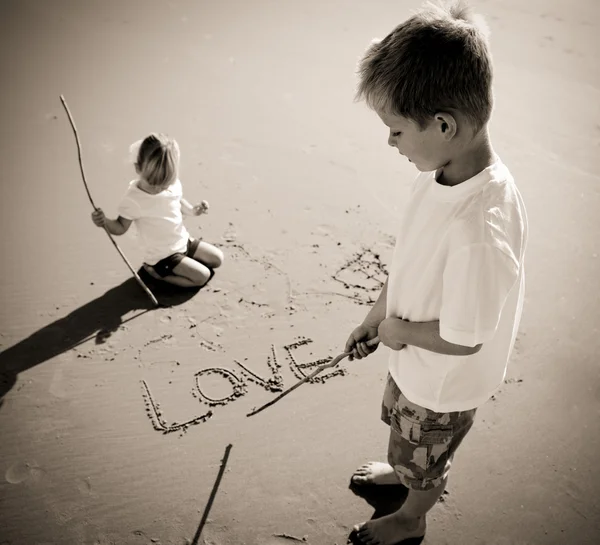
x: 422, y: 442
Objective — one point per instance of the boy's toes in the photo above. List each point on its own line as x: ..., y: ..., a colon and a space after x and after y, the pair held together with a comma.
x: 375, y: 473
x: 363, y: 474
x: 362, y: 536
x: 360, y: 478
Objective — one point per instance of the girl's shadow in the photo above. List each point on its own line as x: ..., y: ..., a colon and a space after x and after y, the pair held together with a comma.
x: 98, y: 320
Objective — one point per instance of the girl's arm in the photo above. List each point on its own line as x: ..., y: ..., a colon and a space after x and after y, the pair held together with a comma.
x: 118, y: 226
x: 189, y: 210
x: 114, y: 227
x: 186, y: 208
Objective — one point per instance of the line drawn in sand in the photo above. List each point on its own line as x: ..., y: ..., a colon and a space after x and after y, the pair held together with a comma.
x: 231, y: 243
x: 275, y: 383
x: 364, y: 273
x: 298, y: 368
x: 154, y: 413
x: 239, y: 385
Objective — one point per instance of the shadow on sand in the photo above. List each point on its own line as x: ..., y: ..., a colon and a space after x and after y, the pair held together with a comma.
x: 98, y: 320
x: 385, y: 499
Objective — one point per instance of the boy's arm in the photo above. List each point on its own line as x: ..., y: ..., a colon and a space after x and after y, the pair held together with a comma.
x: 377, y: 313
x: 395, y: 332
x: 357, y: 342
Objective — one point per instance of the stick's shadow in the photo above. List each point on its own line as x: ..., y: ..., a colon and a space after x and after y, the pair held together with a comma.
x: 98, y: 320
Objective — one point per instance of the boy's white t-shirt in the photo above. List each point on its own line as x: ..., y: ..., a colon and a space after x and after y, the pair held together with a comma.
x: 459, y: 259
x: 158, y: 219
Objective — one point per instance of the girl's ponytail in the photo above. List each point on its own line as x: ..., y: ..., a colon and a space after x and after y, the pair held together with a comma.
x: 158, y: 159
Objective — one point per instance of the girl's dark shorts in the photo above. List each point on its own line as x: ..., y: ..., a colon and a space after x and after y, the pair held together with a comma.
x: 422, y: 442
x: 165, y: 266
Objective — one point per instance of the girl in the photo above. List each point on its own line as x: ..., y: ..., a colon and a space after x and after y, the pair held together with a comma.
x: 155, y: 203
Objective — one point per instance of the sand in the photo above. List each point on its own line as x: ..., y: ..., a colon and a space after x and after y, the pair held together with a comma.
x: 108, y: 432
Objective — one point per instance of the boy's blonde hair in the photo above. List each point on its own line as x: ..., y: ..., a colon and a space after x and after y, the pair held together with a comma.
x: 157, y: 159
x: 437, y: 60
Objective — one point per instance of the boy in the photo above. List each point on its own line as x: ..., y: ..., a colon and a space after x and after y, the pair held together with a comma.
x: 451, y: 306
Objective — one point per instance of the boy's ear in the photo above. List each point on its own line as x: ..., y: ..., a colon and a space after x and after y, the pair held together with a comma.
x: 446, y: 125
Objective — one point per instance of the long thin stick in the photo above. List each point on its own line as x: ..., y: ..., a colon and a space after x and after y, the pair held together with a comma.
x: 212, y: 496
x: 332, y: 363
x: 136, y: 275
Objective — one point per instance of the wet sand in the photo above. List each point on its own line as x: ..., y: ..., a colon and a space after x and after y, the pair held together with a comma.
x: 111, y: 433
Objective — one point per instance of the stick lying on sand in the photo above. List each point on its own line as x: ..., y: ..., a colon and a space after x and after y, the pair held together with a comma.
x: 213, y: 493
x: 332, y: 363
x: 137, y: 277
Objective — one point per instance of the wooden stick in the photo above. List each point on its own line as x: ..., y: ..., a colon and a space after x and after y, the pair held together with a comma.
x: 332, y: 363
x: 211, y: 499
x: 136, y: 275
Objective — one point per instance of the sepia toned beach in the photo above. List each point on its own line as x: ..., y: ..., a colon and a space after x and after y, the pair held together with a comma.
x: 121, y: 423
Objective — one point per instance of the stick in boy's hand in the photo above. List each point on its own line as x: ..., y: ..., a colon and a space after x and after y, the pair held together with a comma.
x: 332, y: 363
x: 358, y: 345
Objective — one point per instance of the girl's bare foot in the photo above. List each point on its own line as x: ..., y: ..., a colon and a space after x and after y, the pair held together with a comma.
x: 150, y: 270
x: 375, y: 473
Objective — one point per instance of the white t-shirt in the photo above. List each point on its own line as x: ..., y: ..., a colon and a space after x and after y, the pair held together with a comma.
x: 158, y: 219
x: 459, y: 259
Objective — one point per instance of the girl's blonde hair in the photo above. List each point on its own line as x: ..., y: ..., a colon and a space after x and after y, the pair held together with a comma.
x: 156, y: 159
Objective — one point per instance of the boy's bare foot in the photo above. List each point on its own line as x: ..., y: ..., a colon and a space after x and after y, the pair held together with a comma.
x: 390, y: 530
x: 375, y: 473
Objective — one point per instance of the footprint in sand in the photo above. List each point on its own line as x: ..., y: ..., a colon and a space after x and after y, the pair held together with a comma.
x: 57, y: 387
x: 149, y: 540
x: 84, y: 486
x: 324, y: 230
x: 285, y: 539
x: 230, y: 234
x: 23, y: 471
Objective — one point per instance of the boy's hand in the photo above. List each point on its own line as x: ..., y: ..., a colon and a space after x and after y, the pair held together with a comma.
x: 201, y: 208
x: 357, y: 342
x: 98, y: 217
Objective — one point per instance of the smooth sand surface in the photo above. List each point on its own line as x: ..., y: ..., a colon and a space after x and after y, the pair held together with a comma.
x: 300, y: 180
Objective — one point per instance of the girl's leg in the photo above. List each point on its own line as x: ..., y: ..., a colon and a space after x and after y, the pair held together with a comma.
x: 208, y: 255
x: 171, y: 279
x: 189, y: 273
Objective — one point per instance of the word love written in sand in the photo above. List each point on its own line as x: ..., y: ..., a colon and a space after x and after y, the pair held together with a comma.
x: 239, y: 384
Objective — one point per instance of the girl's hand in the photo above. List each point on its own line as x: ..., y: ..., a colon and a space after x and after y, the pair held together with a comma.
x: 98, y: 217
x: 201, y: 208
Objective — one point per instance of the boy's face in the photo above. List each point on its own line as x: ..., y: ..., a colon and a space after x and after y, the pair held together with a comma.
x: 427, y: 149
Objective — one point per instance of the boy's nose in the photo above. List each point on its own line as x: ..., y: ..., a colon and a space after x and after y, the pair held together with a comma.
x: 391, y: 141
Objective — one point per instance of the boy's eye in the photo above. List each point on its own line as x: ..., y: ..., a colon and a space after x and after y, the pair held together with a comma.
x: 394, y: 134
